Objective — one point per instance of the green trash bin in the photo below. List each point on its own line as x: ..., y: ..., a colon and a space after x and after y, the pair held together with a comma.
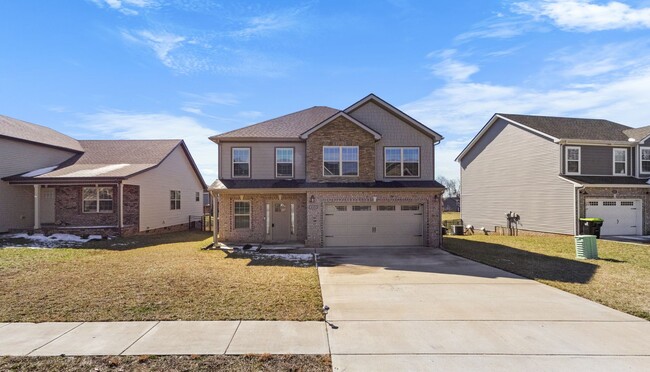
x: 586, y: 247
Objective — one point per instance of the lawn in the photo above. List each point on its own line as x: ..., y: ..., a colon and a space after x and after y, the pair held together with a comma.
x: 263, y: 362
x: 618, y: 279
x: 447, y: 216
x: 163, y: 277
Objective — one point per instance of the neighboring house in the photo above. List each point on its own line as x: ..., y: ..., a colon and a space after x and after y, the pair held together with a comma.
x: 54, y: 183
x: 451, y: 204
x: 551, y: 171
x: 363, y: 176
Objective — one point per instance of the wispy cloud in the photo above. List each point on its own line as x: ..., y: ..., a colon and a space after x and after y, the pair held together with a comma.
x: 449, y: 67
x: 585, y: 15
x: 269, y: 23
x: 499, y: 26
x: 115, y: 124
x: 126, y: 7
x: 197, y: 103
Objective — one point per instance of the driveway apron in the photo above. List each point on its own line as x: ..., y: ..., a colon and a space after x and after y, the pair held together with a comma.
x: 422, y: 309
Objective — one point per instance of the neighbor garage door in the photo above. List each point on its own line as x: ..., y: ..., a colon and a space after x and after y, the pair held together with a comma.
x: 622, y: 216
x: 373, y: 225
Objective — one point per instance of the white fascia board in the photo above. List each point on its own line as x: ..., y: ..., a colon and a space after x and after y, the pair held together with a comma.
x: 576, y: 184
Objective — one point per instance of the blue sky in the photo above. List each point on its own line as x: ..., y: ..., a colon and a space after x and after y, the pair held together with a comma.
x: 131, y: 69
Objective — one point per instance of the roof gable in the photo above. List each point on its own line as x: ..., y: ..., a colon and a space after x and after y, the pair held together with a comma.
x: 34, y: 133
x: 374, y: 133
x: 395, y: 111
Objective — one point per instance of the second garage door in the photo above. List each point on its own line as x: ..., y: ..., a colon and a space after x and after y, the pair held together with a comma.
x: 373, y: 225
x: 622, y: 216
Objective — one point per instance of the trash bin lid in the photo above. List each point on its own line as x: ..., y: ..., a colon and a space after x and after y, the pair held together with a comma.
x: 592, y: 219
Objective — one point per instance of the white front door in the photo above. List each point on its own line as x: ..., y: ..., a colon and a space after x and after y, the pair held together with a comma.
x: 46, y: 211
x: 622, y: 216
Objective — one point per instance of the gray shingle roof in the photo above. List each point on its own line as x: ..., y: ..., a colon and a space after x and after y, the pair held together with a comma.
x: 302, y: 184
x: 14, y: 128
x: 573, y: 128
x: 638, y: 133
x: 287, y: 126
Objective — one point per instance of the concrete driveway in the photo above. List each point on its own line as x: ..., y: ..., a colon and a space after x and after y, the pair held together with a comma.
x: 425, y: 309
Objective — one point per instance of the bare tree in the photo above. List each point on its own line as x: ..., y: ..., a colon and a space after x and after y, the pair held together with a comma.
x: 452, y: 186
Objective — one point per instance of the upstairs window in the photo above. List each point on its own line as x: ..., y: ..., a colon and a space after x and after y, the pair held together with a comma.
x: 97, y: 199
x: 241, y: 162
x: 284, y: 162
x: 620, y: 162
x: 174, y: 199
x: 340, y: 160
x: 402, y: 161
x: 572, y: 156
x: 645, y: 159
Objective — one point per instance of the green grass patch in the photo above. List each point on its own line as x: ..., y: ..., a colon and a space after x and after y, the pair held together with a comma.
x: 618, y: 279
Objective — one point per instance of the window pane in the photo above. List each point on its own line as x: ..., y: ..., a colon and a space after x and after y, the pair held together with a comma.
x: 410, y: 207
x: 619, y: 168
x: 242, y: 222
x: 105, y: 206
x: 645, y: 166
x: 284, y: 155
x: 573, y: 154
x: 284, y: 169
x: 240, y: 170
x: 361, y: 208
x: 89, y: 193
x: 242, y: 207
x: 572, y: 167
x: 331, y: 169
x: 106, y: 193
x: 645, y: 154
x: 350, y: 153
x: 393, y: 155
x: 411, y: 155
x: 386, y: 208
x: 411, y: 169
x: 393, y: 169
x: 619, y: 155
x: 90, y: 206
x: 240, y: 155
x: 172, y: 204
x: 331, y: 154
x: 350, y: 168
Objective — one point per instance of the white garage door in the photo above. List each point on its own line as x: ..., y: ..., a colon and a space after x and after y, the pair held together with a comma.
x: 622, y: 216
x: 373, y: 225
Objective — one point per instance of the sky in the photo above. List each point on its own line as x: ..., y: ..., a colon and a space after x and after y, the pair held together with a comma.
x: 189, y: 69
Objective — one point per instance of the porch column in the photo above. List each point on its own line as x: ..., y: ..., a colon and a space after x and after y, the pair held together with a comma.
x: 37, y: 207
x: 215, y: 223
x: 121, y: 206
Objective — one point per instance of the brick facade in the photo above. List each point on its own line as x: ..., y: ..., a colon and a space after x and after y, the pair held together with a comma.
x: 257, y: 231
x: 618, y: 193
x: 340, y: 132
x: 431, y: 202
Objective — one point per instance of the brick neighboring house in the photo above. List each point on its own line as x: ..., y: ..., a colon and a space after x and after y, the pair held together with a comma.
x: 363, y: 176
x: 53, y: 183
x: 552, y: 171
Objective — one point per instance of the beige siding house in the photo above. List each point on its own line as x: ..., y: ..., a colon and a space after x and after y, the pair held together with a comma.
x: 552, y: 171
x: 53, y: 183
x: 362, y: 176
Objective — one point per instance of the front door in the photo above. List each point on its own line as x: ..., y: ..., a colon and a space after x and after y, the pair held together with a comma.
x: 48, y: 195
x: 281, y: 222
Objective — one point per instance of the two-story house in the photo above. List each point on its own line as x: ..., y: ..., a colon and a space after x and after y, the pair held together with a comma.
x: 552, y: 171
x: 363, y: 176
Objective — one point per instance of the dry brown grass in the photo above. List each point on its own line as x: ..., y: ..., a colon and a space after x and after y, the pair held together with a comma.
x: 170, y: 363
x: 165, y: 277
x: 446, y: 216
x: 619, y: 279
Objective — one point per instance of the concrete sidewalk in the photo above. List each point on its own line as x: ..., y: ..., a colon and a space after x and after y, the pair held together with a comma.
x: 160, y: 338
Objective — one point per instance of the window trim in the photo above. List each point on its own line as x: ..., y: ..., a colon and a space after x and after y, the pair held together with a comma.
x: 614, y: 161
x: 97, y: 199
x: 172, y: 198
x: 341, y: 161
x: 232, y: 162
x: 641, y: 148
x: 293, y: 161
x: 566, y: 159
x: 249, y: 214
x: 402, y: 148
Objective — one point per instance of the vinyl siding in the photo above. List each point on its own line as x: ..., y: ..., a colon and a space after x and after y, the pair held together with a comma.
x: 174, y: 173
x: 262, y: 159
x: 598, y: 160
x: 510, y: 169
x: 17, y: 202
x: 395, y: 132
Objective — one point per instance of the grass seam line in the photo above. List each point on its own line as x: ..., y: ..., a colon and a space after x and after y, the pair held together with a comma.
x: 138, y: 339
x: 232, y: 338
x: 57, y: 337
x: 320, y: 287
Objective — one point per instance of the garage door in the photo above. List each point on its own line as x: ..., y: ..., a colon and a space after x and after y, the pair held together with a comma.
x: 373, y: 225
x: 622, y: 216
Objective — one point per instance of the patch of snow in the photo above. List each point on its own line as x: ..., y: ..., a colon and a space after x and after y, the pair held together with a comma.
x: 97, y: 171
x: 51, y: 241
x: 302, y: 259
x: 38, y: 172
